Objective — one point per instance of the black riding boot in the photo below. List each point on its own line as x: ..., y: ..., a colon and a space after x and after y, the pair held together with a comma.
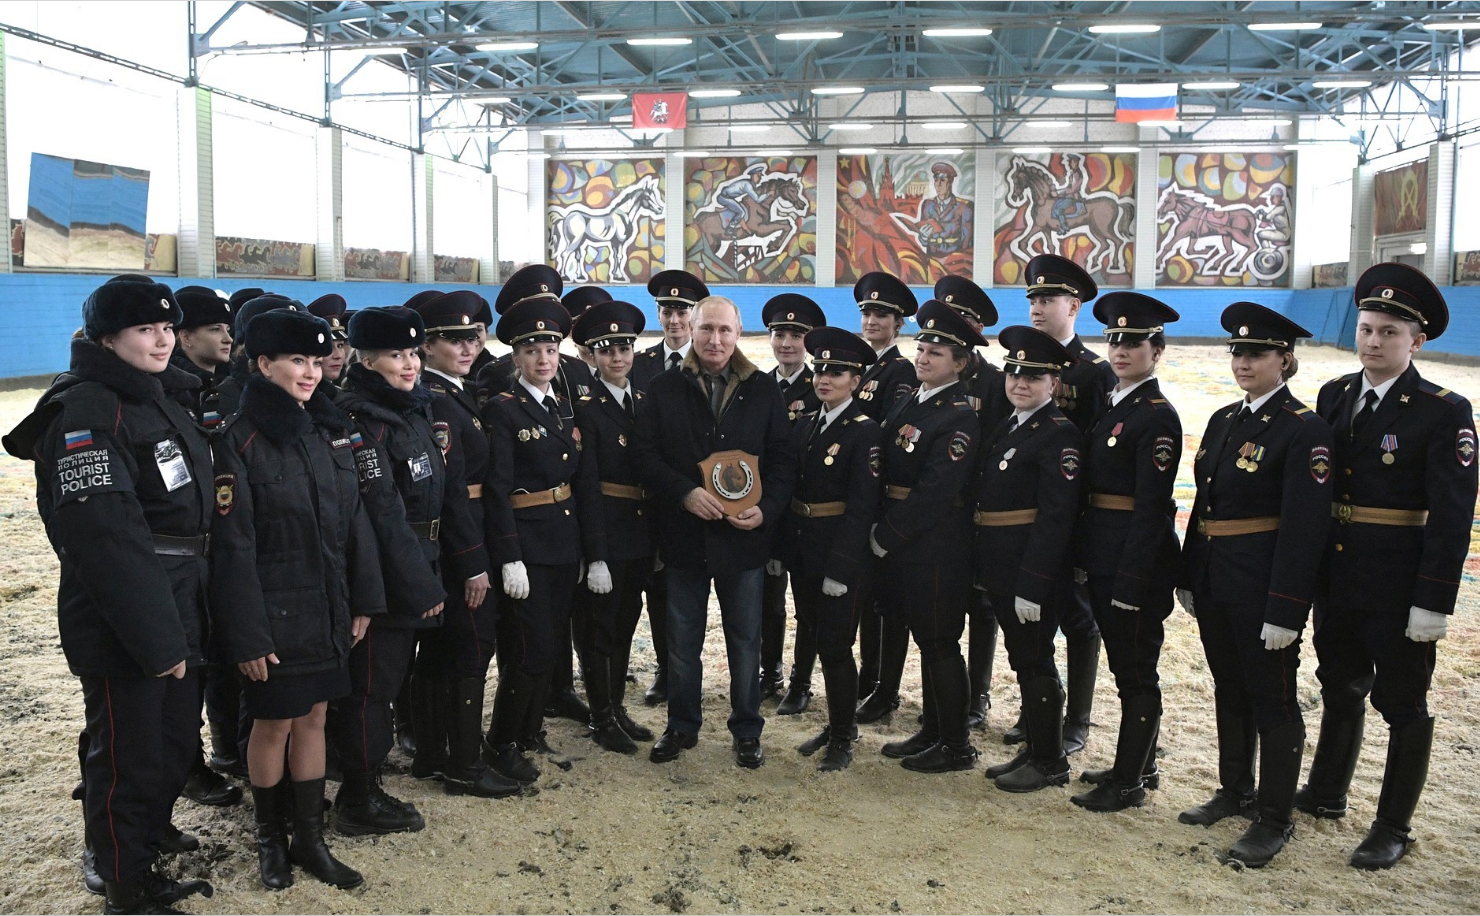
x: 1337, y: 748
x: 981, y: 651
x: 1150, y: 773
x: 405, y: 728
x: 516, y: 691
x: 1084, y: 667
x: 561, y: 700
x: 1047, y: 764
x: 950, y: 683
x: 465, y: 772
x: 618, y: 672
x: 431, y: 722
x: 309, y: 852
x: 1402, y: 784
x: 893, y: 649
x: 272, y: 840
x: 841, y: 681
x: 1280, y: 751
x: 799, y: 691
x: 1237, y: 743
x: 1140, y: 720
x: 773, y: 637
x: 605, y: 728
x: 870, y: 638
x: 929, y: 733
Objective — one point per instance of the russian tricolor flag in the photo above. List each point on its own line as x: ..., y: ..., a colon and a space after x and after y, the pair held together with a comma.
x: 1145, y: 102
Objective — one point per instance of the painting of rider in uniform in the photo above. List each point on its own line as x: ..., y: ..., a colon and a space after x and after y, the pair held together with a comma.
x: 751, y: 220
x: 1224, y: 219
x: 911, y: 215
x: 1080, y: 206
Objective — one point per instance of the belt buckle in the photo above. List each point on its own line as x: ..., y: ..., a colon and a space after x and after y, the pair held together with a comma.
x: 806, y: 510
x: 205, y: 544
x: 1344, y: 513
x: 1202, y: 526
x: 436, y: 528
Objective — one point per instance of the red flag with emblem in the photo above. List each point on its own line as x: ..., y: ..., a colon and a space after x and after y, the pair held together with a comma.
x: 657, y: 110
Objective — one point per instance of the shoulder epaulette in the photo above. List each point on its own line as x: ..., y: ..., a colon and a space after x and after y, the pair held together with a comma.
x: 504, y: 396
x: 1301, y: 412
x: 1443, y: 394
x: 860, y: 418
x: 961, y: 403
x: 1159, y: 403
x: 1098, y: 360
x: 1061, y: 420
x: 587, y: 397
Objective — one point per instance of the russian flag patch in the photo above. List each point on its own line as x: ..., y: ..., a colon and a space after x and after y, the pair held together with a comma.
x: 78, y: 438
x: 356, y: 440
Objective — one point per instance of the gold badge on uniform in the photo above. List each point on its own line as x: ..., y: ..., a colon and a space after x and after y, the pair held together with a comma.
x: 1113, y: 434
x: 524, y: 435
x: 832, y: 452
x: 1389, y: 445
x: 225, y: 493
x: 621, y: 440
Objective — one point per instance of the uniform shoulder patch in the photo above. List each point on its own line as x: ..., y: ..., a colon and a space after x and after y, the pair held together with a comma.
x: 1320, y: 464
x: 875, y: 460
x: 1464, y: 447
x: 1098, y: 360
x: 1061, y: 420
x: 958, y: 446
x: 442, y: 435
x: 587, y: 397
x: 1163, y: 448
x: 225, y: 493
x: 1069, y: 463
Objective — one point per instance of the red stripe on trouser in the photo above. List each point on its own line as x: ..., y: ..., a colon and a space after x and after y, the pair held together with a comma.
x: 112, y: 762
x: 364, y: 705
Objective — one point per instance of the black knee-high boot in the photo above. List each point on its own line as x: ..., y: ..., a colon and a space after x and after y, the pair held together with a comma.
x: 949, y: 683
x: 981, y: 652
x: 894, y: 647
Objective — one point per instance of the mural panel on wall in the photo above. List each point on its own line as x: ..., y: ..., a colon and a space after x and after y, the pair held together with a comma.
x: 604, y: 219
x: 910, y: 214
x: 1400, y: 199
x: 1224, y: 219
x: 751, y: 220
x: 1077, y: 205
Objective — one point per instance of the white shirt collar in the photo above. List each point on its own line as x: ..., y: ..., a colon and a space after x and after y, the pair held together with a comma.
x: 924, y: 392
x: 621, y: 394
x: 1255, y: 405
x: 683, y: 351
x: 443, y: 375
x: 538, y: 395
x: 1381, y: 390
x: 829, y: 416
x: 1117, y: 396
x: 880, y: 351
x: 790, y: 379
x: 1022, y: 415
x: 1068, y: 340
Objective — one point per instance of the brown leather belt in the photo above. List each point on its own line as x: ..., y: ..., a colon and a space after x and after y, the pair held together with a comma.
x: 622, y: 490
x: 1004, y: 519
x: 818, y: 510
x: 1111, y: 501
x: 1230, y: 527
x: 1367, y: 515
x: 475, y: 491
x: 543, y: 498
x: 169, y: 546
x: 893, y: 492
x: 428, y: 530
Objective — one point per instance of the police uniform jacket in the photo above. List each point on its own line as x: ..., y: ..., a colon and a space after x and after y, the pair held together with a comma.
x: 406, y: 489
x: 195, y: 398
x: 930, y: 450
x: 226, y: 397
x: 1082, y: 387
x: 530, y: 453
x: 678, y: 430
x: 480, y: 362
x: 1138, y: 547
x: 842, y: 464
x: 608, y: 436
x: 987, y: 393
x: 294, y: 555
x: 1286, y: 450
x: 119, y: 466
x: 1429, y: 432
x: 459, y: 434
x: 573, y: 380
x: 889, y: 379
x: 1035, y: 468
x: 799, y: 397
x: 647, y: 365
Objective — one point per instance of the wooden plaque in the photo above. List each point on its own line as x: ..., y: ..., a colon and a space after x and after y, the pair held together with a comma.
x: 734, y: 478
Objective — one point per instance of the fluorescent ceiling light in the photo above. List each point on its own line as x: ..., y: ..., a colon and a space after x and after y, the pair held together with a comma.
x: 622, y: 118
x: 850, y: 125
x: 1342, y: 84
x: 495, y: 100
x: 836, y: 90
x: 1268, y: 122
x: 1030, y: 150
x: 1120, y: 149
x: 1080, y: 87
x: 749, y: 128
x: 773, y: 152
x: 1419, y: 248
x: 1284, y: 26
x: 1048, y: 123
x: 1128, y: 28
x: 957, y: 33
x: 1213, y: 85
x: 508, y: 46
x: 538, y: 155
x: 944, y: 125
x: 713, y: 93
x: 691, y: 153
x: 559, y: 131
x: 945, y: 151
x: 1292, y: 147
x: 807, y: 36
x: 1456, y: 25
x: 957, y: 87
x: 659, y: 42
x: 1168, y: 124
x: 602, y: 96
x: 858, y: 151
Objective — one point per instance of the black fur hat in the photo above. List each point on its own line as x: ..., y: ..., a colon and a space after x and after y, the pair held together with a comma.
x: 394, y: 327
x: 127, y: 301
x: 279, y: 331
x: 254, y: 307
x: 202, y: 305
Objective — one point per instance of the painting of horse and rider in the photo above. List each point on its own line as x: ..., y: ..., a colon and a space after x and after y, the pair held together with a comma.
x: 1080, y: 206
x: 751, y: 220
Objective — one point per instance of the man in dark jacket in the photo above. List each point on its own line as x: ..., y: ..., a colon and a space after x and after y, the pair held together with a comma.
x: 715, y: 401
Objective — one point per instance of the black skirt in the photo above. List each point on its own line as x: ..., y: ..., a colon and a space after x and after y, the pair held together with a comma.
x: 288, y: 696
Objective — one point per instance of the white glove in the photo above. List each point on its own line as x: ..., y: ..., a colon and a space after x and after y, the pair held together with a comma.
x: 1027, y: 611
x: 1277, y: 637
x: 657, y: 563
x: 1426, y: 626
x: 516, y: 580
x: 598, y: 578
x: 832, y: 588
x: 1080, y: 577
x: 774, y: 568
x: 1123, y: 606
x: 1184, y: 598
x: 874, y: 544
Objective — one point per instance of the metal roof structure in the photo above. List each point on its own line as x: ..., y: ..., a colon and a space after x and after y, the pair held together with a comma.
x: 997, y: 65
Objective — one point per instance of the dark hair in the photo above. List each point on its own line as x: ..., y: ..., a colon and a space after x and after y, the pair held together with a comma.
x: 960, y: 353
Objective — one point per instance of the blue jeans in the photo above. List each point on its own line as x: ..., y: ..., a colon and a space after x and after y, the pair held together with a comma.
x: 688, y: 612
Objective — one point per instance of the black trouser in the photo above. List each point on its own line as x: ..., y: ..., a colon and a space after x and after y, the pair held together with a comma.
x: 1076, y: 613
x: 829, y: 623
x: 143, y: 735
x: 530, y: 630
x: 1133, y: 641
x: 656, y: 591
x: 223, y: 697
x: 934, y: 599
x: 1245, y: 674
x: 1029, y: 645
x: 361, y: 724
x: 604, y: 624
x: 463, y: 646
x: 1361, y: 653
x: 773, y: 622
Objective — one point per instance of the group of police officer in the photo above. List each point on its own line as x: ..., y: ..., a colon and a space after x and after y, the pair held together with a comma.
x: 512, y: 522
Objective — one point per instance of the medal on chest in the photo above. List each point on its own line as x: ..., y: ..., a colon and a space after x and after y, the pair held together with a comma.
x: 1006, y: 457
x: 869, y: 387
x: 1249, y: 457
x: 908, y: 436
x: 1389, y: 445
x: 1114, y: 434
x: 832, y: 452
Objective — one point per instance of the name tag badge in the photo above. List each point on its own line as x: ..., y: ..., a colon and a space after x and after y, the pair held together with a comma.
x: 421, y: 466
x: 171, y: 463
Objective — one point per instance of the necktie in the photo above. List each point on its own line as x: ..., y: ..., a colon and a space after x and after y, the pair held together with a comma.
x: 1012, y: 424
x: 716, y: 392
x: 673, y: 360
x: 627, y: 403
x: 1369, y: 406
x: 554, y: 411
x: 821, y: 425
